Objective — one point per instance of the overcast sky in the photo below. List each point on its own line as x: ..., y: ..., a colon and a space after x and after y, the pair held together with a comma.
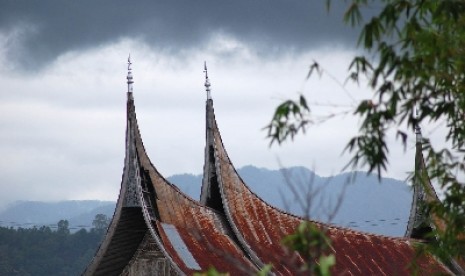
x: 64, y: 89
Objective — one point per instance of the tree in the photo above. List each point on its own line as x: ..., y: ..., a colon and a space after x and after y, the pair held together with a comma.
x: 414, y: 58
x: 100, y: 223
x: 41, y: 251
x: 313, y: 244
x: 63, y: 227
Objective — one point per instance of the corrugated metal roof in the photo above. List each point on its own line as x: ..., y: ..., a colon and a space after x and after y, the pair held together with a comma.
x: 261, y: 227
x: 201, y: 231
x: 243, y: 231
x: 180, y: 246
x: 191, y: 236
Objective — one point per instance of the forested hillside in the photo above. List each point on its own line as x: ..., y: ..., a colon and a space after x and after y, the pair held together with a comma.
x: 41, y: 251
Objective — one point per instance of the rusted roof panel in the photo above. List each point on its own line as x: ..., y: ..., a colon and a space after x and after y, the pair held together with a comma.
x: 190, y: 236
x: 171, y: 233
x: 195, y: 237
x: 261, y: 227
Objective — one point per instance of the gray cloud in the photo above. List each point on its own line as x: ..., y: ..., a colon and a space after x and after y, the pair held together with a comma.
x: 53, y: 27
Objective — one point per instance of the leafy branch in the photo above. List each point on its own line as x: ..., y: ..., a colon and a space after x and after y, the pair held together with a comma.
x: 414, y: 56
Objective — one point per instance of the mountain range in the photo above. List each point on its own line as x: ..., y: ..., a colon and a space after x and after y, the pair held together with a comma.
x: 355, y: 200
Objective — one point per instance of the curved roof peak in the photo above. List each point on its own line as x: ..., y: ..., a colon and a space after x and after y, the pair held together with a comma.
x: 207, y: 81
x: 417, y: 127
x: 129, y: 76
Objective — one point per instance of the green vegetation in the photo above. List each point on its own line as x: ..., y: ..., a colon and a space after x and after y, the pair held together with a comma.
x: 413, y: 58
x: 313, y: 245
x: 41, y: 251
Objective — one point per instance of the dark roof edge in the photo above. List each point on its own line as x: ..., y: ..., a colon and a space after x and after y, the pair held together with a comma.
x: 92, y: 267
x: 209, y: 164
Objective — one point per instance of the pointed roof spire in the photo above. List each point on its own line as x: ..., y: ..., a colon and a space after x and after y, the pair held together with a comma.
x: 420, y: 222
x: 418, y: 217
x: 207, y: 82
x: 417, y: 126
x: 129, y: 77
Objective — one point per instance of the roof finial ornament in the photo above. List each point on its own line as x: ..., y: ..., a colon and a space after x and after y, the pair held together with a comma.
x: 129, y: 77
x: 417, y: 125
x: 207, y: 82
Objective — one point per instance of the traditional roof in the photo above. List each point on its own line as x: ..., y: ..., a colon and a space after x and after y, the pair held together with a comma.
x: 127, y: 228
x: 421, y: 222
x: 152, y: 214
x: 260, y: 227
x: 156, y: 229
x: 128, y: 231
x: 194, y: 237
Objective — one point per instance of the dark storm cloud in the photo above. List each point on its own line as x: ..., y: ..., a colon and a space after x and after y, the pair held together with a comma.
x: 269, y: 26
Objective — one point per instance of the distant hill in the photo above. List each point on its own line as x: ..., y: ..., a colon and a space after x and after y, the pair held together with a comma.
x: 367, y: 205
x: 80, y: 213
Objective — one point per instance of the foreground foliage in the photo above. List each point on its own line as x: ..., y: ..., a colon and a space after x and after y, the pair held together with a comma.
x: 413, y: 58
x: 313, y: 245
